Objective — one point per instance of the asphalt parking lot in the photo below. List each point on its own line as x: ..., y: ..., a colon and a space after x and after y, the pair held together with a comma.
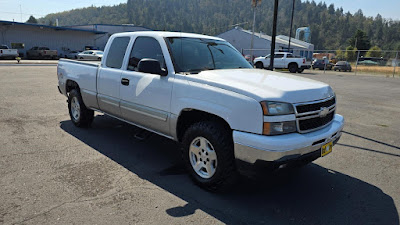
x: 54, y: 173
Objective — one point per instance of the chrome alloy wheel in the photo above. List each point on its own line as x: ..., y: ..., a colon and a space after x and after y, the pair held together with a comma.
x: 75, y: 108
x: 202, y: 157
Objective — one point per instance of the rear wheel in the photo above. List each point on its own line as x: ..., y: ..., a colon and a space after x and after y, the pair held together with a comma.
x: 80, y: 115
x: 259, y: 65
x: 208, y: 155
x: 293, y: 68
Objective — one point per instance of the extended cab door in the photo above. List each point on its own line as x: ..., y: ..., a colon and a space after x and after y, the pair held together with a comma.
x: 146, y: 97
x: 109, y: 77
x: 279, y: 61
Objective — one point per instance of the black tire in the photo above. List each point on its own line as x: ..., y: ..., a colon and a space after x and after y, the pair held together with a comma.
x: 81, y: 58
x: 221, y: 140
x: 99, y: 59
x: 259, y: 65
x: 86, y: 115
x: 76, y: 57
x: 293, y: 68
x: 300, y: 70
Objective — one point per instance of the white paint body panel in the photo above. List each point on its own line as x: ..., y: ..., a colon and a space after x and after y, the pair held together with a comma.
x: 155, y: 102
x: 282, y: 63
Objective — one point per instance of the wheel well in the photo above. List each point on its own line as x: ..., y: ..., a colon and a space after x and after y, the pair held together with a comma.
x: 71, y: 85
x: 191, y: 116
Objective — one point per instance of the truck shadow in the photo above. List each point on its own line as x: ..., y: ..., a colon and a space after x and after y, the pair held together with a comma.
x: 311, y: 195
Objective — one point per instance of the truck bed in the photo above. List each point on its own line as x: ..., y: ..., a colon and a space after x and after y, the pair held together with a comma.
x: 84, y: 72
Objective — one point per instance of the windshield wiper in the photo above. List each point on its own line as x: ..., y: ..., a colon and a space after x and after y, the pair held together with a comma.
x: 195, y: 71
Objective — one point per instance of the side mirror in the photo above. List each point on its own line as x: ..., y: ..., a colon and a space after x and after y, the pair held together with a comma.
x: 152, y: 66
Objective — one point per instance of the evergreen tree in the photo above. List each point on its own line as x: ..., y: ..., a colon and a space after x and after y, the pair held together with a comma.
x: 32, y: 19
x: 330, y: 28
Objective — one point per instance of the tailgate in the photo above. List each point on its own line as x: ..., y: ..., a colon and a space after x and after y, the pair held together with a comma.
x: 9, y: 52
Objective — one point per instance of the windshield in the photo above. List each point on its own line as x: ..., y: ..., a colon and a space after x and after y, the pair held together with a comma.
x: 193, y: 55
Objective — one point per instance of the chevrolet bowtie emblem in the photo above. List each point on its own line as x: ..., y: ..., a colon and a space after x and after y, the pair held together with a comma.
x: 323, y: 112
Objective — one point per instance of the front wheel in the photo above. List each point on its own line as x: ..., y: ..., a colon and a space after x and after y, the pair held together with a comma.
x: 80, y: 115
x: 208, y: 155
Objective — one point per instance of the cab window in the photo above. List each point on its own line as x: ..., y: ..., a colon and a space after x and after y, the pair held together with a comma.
x: 116, y: 52
x: 145, y: 47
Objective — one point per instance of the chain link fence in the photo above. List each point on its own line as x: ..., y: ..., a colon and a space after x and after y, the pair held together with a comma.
x: 369, y: 62
x: 358, y: 62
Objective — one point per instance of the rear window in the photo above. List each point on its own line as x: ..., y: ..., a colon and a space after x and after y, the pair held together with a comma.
x: 43, y: 48
x: 341, y: 63
x: 3, y: 47
x: 116, y: 52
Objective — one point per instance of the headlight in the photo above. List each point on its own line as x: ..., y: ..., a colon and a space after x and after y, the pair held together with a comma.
x: 276, y: 108
x: 279, y: 128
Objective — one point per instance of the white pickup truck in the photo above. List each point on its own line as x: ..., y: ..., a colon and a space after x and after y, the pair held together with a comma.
x: 200, y: 91
x: 6, y: 53
x: 283, y: 60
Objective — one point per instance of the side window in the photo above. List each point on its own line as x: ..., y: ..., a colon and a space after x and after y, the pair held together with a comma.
x: 277, y: 56
x: 116, y: 52
x: 145, y: 47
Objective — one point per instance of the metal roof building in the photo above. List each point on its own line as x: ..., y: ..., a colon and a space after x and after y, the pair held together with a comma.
x: 24, y: 36
x: 109, y: 29
x: 241, y: 40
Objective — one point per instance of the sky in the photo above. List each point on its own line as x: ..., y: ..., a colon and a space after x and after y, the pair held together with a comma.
x: 10, y: 9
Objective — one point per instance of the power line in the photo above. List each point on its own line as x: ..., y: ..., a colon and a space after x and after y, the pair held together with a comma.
x: 23, y: 13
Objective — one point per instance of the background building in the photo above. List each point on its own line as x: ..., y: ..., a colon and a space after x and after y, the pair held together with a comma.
x: 109, y: 30
x: 241, y: 40
x: 24, y: 36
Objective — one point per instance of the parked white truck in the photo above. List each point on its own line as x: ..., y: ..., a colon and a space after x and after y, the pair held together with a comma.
x: 283, y: 60
x: 6, y: 53
x: 200, y: 91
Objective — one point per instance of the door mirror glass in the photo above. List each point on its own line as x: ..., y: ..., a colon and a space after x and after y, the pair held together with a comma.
x: 152, y: 66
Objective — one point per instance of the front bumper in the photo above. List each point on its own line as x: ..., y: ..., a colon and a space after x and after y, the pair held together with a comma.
x: 251, y: 148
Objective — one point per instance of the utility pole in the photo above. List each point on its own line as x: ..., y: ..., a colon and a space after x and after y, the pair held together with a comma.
x: 271, y: 64
x: 291, y: 26
x: 20, y: 11
x: 254, y: 4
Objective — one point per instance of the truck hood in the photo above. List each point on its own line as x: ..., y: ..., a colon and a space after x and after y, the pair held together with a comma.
x: 264, y: 85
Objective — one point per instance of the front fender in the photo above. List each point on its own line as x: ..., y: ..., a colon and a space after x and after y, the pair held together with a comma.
x: 240, y: 112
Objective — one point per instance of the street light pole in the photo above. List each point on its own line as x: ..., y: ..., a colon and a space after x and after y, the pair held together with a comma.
x: 291, y: 26
x: 271, y: 64
x: 254, y: 4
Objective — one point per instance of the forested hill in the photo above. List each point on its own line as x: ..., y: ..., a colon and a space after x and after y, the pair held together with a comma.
x: 331, y: 27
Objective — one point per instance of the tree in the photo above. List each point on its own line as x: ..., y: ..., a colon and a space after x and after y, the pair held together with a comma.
x: 340, y: 55
x: 360, y: 40
x: 351, y: 53
x: 32, y: 19
x: 330, y: 28
x: 374, y: 52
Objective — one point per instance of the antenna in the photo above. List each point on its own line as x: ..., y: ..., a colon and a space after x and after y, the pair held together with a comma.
x: 20, y: 10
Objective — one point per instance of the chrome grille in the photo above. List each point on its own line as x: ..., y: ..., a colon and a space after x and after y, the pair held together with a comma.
x: 311, y: 116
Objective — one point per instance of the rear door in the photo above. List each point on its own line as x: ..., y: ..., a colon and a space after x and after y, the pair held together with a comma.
x: 109, y: 77
x: 145, y: 97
